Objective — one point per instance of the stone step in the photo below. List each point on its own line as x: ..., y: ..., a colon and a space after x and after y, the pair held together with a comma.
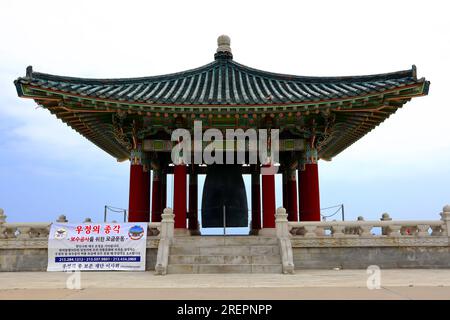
x: 224, y: 254
x: 224, y: 259
x: 210, y: 241
x: 224, y: 268
x: 242, y: 250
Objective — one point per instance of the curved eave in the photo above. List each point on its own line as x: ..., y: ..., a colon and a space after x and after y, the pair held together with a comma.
x: 355, y: 125
x: 219, y: 84
x: 95, y: 131
x: 419, y: 88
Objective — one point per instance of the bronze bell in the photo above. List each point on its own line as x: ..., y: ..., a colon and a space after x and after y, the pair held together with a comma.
x: 224, y: 186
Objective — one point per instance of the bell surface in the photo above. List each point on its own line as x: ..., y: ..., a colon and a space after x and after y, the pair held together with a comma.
x: 224, y: 186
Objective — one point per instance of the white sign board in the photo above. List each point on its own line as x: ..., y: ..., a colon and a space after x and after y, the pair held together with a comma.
x: 101, y: 246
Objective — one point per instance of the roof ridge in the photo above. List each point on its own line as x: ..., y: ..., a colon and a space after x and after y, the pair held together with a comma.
x: 409, y: 73
x: 105, y: 81
x: 331, y: 79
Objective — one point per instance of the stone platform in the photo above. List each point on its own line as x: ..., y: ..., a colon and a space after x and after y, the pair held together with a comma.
x: 287, y: 248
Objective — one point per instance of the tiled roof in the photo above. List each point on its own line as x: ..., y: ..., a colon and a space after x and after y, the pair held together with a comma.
x: 222, y: 82
x: 227, y: 94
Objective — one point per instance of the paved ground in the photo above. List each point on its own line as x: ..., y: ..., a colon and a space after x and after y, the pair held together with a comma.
x: 306, y: 284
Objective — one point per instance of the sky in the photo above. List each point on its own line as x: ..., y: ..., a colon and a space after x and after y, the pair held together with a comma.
x: 401, y: 167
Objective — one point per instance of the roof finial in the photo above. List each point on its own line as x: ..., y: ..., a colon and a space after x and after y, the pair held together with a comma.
x: 223, y: 47
x: 29, y: 72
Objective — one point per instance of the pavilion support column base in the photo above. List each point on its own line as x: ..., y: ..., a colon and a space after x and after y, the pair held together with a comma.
x: 254, y: 232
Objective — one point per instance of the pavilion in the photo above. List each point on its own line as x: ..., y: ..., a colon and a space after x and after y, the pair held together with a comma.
x: 132, y: 119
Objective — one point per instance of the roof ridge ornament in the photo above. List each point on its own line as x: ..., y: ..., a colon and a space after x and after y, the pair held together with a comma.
x: 223, y: 48
x: 414, y: 71
x: 29, y: 72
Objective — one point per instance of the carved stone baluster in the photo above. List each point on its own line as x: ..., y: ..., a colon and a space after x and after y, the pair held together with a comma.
x: 298, y: 231
x: 320, y: 231
x: 423, y: 230
x: 35, y: 232
x: 408, y: 230
x: 24, y: 232
x: 291, y: 229
x: 310, y: 231
x: 46, y: 232
x: 394, y: 230
x: 413, y: 230
x: 337, y: 231
x: 365, y: 231
x: 436, y: 231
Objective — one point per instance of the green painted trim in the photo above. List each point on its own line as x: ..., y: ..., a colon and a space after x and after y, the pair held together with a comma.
x: 265, y: 108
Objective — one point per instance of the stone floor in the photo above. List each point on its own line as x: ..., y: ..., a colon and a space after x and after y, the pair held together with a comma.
x: 305, y: 284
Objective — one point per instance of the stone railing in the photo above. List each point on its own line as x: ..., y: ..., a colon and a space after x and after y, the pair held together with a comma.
x: 37, y: 230
x: 22, y: 230
x: 367, y: 233
x: 365, y: 228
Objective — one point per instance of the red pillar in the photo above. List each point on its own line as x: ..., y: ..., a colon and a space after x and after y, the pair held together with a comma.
x: 308, y: 185
x: 268, y: 199
x: 256, y: 200
x: 179, y: 195
x: 285, y: 189
x: 156, y: 196
x: 163, y: 189
x: 139, y: 194
x: 193, y: 196
x: 291, y: 190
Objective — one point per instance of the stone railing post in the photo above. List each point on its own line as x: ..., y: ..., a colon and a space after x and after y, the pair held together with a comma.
x: 62, y: 219
x: 281, y: 223
x: 167, y: 224
x: 2, y: 222
x: 385, y: 217
x: 2, y: 216
x: 445, y: 216
x: 166, y: 238
x: 283, y: 235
